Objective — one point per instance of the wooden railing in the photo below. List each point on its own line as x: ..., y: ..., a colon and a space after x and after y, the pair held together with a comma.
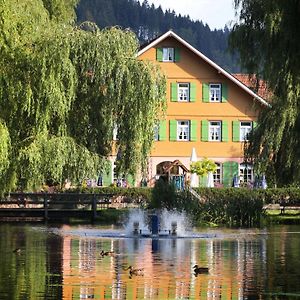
x: 53, y: 205
x: 281, y: 206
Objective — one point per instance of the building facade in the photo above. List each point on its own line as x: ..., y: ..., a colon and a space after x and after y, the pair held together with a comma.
x: 209, y: 112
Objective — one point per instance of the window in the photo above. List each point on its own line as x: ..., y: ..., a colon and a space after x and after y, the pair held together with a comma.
x: 115, y: 176
x: 159, y: 131
x: 115, y: 133
x: 217, y: 174
x: 214, y: 131
x: 183, y: 92
x: 183, y: 132
x: 156, y: 133
x: 117, y: 179
x: 215, y: 92
x: 246, y: 173
x: 168, y: 54
x: 245, y: 128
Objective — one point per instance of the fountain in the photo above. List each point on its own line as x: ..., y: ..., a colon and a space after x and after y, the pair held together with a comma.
x: 156, y: 224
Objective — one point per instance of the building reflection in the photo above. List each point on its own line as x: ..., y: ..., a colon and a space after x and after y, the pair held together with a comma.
x: 235, y: 268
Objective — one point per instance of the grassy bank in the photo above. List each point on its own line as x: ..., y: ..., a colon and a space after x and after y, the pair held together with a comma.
x: 276, y: 217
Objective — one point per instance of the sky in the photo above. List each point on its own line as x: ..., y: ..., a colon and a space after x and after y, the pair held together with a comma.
x: 216, y: 13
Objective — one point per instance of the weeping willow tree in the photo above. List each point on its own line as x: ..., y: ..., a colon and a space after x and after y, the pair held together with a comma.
x: 63, y: 90
x: 268, y: 40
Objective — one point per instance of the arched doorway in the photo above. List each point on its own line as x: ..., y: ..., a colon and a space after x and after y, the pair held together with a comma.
x: 174, y: 172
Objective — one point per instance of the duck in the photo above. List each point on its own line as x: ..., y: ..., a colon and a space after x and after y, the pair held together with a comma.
x: 136, y: 272
x: 106, y: 253
x: 200, y: 270
x: 17, y: 250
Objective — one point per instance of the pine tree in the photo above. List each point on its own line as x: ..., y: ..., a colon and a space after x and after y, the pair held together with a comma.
x: 148, y: 22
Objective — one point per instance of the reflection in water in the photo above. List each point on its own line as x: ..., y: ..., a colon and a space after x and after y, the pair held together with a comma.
x: 57, y: 264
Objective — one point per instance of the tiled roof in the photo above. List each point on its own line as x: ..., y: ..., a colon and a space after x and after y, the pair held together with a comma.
x: 257, y: 86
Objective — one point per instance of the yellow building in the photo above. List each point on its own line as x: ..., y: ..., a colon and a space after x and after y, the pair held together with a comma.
x: 208, y: 109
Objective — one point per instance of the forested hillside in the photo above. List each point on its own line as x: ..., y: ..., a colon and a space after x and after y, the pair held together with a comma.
x: 148, y: 22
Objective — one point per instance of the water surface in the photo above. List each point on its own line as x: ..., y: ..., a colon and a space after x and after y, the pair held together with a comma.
x: 64, y: 262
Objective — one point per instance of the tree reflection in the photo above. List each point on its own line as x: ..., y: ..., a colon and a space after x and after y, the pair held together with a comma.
x: 246, y: 264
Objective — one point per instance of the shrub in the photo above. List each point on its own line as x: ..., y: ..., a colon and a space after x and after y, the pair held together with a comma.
x: 163, y: 195
x: 232, y: 206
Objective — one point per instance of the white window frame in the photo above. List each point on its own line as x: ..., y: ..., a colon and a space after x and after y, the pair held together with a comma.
x: 218, y: 174
x: 168, y: 54
x: 245, y: 129
x: 215, y: 92
x: 183, y: 130
x: 246, y: 173
x: 215, y: 131
x: 183, y: 92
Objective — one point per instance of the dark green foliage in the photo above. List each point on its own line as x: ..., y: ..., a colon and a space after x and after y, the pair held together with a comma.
x: 290, y: 196
x: 62, y: 92
x: 238, y: 207
x: 241, y: 207
x: 267, y: 38
x: 111, y: 216
x: 163, y: 195
x: 148, y: 22
x: 61, y: 11
x: 226, y: 206
x: 231, y: 206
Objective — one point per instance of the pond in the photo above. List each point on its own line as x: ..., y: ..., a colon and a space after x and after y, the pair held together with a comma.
x: 64, y: 262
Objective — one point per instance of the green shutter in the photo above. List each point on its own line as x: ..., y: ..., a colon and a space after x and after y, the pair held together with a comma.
x: 224, y: 292
x: 224, y: 92
x: 193, y: 135
x: 107, y: 174
x: 173, y: 130
x: 192, y: 92
x: 224, y: 131
x: 235, y: 131
x: 230, y: 168
x: 177, y: 54
x: 204, y: 131
x: 205, y: 92
x: 174, y: 92
x: 162, y: 133
x: 159, y: 54
x: 203, y: 181
x: 76, y: 293
x: 130, y: 180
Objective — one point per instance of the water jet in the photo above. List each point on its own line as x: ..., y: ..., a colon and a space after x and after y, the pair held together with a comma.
x: 156, y: 223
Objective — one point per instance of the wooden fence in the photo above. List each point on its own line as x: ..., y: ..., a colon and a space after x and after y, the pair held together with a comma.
x: 54, y: 206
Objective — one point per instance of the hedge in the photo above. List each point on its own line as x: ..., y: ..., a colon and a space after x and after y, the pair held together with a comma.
x: 230, y: 206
